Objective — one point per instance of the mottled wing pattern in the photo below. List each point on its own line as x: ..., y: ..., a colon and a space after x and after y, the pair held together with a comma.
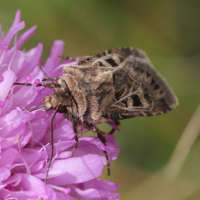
x: 139, y: 89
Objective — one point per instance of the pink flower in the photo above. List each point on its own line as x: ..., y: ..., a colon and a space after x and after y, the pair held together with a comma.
x: 25, y: 136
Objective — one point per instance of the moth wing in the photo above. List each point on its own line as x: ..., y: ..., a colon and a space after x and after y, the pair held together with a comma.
x: 139, y: 90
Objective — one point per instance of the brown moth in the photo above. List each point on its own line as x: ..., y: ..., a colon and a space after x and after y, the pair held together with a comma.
x: 114, y: 85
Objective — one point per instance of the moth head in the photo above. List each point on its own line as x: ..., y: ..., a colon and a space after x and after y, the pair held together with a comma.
x: 59, y: 99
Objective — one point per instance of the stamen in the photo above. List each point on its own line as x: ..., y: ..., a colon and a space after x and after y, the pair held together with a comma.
x: 52, y: 144
x: 33, y: 135
x: 43, y: 148
x: 24, y: 161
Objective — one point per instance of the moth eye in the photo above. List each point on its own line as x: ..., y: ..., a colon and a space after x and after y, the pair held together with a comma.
x: 62, y: 109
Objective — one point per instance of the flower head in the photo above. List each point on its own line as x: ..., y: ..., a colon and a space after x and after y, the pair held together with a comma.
x: 25, y: 136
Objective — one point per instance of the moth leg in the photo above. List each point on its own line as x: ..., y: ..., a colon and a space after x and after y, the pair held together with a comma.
x: 74, y: 125
x: 52, y: 144
x: 113, y: 130
x: 102, y: 138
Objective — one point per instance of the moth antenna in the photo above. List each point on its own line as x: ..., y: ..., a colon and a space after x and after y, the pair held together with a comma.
x: 52, y: 145
x: 49, y: 79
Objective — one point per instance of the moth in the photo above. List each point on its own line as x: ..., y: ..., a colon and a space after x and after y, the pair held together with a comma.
x: 110, y: 86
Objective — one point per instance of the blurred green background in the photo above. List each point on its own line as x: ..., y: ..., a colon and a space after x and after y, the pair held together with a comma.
x: 169, y: 32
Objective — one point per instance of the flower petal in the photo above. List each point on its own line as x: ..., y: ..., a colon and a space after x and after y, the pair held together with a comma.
x: 64, y: 172
x: 9, y: 79
x: 32, y: 60
x: 7, y: 153
x: 17, y: 25
x: 97, y: 147
x: 4, y: 173
x: 62, y: 196
x: 10, y: 122
x: 25, y: 36
x: 56, y: 52
x: 27, y: 187
x: 96, y: 189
